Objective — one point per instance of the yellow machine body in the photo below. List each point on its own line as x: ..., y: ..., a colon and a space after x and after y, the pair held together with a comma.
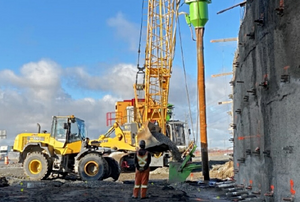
x: 62, y: 151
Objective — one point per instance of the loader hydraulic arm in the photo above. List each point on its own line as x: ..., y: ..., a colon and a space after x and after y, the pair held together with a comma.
x: 114, y: 127
x: 118, y: 142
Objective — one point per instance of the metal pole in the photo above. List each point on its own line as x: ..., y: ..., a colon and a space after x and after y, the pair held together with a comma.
x: 202, y: 108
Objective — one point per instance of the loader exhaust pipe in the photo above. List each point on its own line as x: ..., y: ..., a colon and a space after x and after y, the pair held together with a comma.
x: 39, y: 127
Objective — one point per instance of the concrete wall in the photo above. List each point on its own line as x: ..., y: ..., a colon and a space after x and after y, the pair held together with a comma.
x: 269, y: 122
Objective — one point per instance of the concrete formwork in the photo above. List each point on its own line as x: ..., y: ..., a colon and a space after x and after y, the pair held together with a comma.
x: 267, y: 134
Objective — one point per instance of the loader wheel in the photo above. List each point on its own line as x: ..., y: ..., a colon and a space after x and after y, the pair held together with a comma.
x: 109, y: 170
x: 92, y: 167
x: 50, y: 163
x: 114, y: 167
x: 36, y: 166
x: 106, y: 169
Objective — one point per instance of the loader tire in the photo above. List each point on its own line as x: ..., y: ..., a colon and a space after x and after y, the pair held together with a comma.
x: 36, y: 166
x: 92, y: 167
x: 106, y: 169
x: 109, y: 170
x: 114, y: 167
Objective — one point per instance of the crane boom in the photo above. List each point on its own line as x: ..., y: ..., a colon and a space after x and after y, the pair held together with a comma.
x: 159, y: 54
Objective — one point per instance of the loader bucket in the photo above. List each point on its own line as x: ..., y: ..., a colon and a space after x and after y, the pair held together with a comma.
x: 157, y: 142
x: 178, y: 172
x: 146, y: 135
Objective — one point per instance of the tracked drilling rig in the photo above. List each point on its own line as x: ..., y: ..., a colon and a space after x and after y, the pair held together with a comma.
x: 147, y: 116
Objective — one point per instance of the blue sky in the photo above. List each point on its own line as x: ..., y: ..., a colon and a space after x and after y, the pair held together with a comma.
x: 60, y: 56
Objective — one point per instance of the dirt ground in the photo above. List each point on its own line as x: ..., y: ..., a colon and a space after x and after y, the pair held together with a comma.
x: 71, y: 189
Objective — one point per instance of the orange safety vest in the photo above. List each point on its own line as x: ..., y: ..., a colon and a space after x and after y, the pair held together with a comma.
x: 142, y: 160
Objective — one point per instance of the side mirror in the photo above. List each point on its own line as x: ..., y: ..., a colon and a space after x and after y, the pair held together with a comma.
x: 66, y: 126
x: 73, y: 120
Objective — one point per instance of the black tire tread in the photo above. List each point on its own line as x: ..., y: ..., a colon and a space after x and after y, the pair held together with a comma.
x: 103, y: 166
x: 114, y: 167
x: 41, y: 157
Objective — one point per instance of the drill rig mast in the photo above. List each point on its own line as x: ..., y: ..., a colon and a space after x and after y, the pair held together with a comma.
x: 159, y: 53
x: 146, y: 116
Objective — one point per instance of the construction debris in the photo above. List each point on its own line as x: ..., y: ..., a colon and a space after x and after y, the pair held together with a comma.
x: 3, y: 182
x: 222, y: 171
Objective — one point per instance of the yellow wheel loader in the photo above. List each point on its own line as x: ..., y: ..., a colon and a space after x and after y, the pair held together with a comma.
x: 63, y: 151
x: 125, y: 140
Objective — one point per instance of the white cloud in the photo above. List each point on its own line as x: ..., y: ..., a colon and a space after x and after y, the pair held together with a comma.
x: 117, y: 81
x: 40, y: 81
x: 37, y: 94
x: 217, y: 89
x: 125, y: 30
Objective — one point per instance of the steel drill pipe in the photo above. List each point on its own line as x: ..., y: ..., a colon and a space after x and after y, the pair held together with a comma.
x: 234, y: 189
x: 289, y: 199
x: 226, y: 185
x: 202, y: 107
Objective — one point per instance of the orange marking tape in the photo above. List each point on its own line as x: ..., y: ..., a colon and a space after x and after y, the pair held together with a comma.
x: 247, y: 137
x: 293, y: 192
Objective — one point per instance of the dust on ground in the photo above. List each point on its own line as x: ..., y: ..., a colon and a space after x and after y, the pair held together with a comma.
x: 19, y: 188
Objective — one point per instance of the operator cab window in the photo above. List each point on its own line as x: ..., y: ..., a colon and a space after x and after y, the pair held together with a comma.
x: 81, y: 128
x: 77, y: 131
x: 60, y: 132
x: 74, y: 133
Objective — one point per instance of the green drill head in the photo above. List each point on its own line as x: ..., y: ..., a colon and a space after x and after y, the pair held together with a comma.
x: 198, y: 12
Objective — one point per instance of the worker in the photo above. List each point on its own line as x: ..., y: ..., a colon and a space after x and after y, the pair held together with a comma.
x: 142, y: 160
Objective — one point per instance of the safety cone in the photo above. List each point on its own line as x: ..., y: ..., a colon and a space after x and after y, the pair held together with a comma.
x: 192, y: 176
x: 6, y: 162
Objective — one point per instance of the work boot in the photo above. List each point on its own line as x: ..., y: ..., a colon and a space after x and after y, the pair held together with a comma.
x: 145, y: 197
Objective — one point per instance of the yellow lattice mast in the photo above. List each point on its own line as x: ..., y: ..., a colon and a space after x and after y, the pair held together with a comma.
x: 159, y: 52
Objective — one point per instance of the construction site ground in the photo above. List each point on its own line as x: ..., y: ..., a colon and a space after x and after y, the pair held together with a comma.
x: 19, y: 188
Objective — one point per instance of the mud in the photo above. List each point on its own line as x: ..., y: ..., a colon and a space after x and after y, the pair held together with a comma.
x: 72, y: 189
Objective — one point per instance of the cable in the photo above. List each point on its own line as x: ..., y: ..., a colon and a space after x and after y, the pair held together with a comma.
x: 185, y: 81
x: 141, y: 32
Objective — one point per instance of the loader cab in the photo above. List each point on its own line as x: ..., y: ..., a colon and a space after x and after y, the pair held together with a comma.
x: 176, y: 132
x: 68, y: 129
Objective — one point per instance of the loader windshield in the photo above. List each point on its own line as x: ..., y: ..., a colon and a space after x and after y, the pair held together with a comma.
x: 81, y: 128
x: 63, y: 127
x: 58, y: 128
x: 77, y: 130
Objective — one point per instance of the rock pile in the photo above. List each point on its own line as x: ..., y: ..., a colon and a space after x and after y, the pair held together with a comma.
x: 222, y: 171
